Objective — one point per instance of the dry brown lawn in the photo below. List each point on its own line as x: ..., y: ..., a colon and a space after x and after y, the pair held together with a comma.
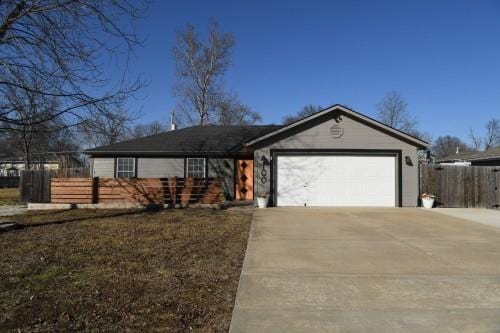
x: 9, y: 196
x: 114, y: 271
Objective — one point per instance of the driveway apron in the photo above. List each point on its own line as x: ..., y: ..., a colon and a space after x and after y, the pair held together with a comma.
x: 368, y: 270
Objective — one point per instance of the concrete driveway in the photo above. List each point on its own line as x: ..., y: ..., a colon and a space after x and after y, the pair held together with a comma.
x: 368, y: 270
x: 11, y: 210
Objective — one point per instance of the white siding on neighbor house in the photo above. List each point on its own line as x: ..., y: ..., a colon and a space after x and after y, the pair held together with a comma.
x: 103, y: 167
x: 161, y: 167
x: 356, y: 135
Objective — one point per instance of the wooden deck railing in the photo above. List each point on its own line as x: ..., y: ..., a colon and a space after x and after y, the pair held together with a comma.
x: 156, y: 191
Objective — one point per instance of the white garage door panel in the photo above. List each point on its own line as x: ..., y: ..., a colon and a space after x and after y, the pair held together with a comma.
x: 336, y: 181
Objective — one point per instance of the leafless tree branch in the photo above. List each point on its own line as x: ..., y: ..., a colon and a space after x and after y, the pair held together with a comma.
x: 200, y: 67
x: 65, y: 46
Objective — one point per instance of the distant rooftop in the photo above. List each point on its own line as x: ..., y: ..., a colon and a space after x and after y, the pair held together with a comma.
x: 493, y: 153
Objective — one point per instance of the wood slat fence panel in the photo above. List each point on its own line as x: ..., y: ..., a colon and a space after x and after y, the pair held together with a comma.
x: 171, y: 191
x: 462, y: 186
x: 72, y: 190
x: 35, y: 185
x: 134, y: 190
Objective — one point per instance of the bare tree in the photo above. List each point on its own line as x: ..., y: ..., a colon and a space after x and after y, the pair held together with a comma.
x: 449, y: 145
x: 232, y: 112
x: 304, y: 112
x: 32, y: 135
x: 200, y: 67
x: 143, y: 130
x: 392, y: 112
x: 106, y: 128
x: 477, y: 141
x: 64, y: 44
x: 491, y: 138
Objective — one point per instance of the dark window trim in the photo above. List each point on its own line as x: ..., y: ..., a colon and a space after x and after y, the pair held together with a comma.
x: 235, y: 180
x: 136, y: 166
x: 398, y: 153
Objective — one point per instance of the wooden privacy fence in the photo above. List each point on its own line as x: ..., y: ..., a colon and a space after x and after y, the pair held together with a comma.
x: 35, y: 185
x: 462, y: 186
x: 146, y: 191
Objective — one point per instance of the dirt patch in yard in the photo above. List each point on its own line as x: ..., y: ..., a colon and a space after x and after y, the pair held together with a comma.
x: 107, y: 271
x: 9, y: 196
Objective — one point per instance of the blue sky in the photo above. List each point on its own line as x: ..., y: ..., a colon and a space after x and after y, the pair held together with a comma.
x: 442, y: 56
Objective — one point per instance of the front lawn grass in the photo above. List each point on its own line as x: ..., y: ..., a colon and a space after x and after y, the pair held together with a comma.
x: 9, y: 196
x: 113, y: 271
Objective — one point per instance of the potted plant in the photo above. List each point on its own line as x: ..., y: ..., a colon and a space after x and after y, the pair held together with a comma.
x: 428, y: 200
x: 262, y: 199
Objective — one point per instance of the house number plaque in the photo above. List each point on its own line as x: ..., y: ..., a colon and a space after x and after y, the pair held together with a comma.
x: 263, y: 174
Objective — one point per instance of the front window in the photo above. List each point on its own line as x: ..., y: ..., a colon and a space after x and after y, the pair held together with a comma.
x: 195, y: 167
x: 125, y: 167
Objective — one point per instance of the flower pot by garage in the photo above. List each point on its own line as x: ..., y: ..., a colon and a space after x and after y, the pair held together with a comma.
x: 262, y: 202
x: 428, y: 202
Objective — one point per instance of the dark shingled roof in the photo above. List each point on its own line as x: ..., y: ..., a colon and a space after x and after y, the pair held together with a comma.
x: 473, y: 155
x: 213, y: 140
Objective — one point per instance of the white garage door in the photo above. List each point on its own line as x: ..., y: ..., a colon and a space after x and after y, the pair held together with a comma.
x: 336, y: 180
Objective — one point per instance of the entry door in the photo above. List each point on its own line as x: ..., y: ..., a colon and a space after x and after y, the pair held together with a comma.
x: 336, y: 180
x: 244, y: 179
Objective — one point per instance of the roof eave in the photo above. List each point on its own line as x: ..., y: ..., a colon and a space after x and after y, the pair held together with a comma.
x: 163, y: 153
x: 471, y: 159
x: 484, y: 158
x: 419, y: 143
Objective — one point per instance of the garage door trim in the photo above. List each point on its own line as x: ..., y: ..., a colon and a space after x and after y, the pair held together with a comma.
x: 275, y: 153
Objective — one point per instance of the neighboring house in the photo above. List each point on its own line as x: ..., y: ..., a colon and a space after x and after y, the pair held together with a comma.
x: 12, y: 166
x: 490, y: 157
x: 335, y: 157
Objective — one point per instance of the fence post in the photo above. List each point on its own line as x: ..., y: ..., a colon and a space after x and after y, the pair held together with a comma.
x: 95, y: 190
x: 172, y: 188
x: 187, y: 191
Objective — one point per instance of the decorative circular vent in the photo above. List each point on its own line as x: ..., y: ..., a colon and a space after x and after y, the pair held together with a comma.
x: 336, y: 131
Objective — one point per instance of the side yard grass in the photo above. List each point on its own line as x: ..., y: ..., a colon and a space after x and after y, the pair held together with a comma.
x: 112, y: 271
x: 9, y: 196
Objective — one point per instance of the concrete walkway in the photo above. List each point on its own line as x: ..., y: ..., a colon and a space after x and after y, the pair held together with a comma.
x: 11, y: 210
x: 485, y: 216
x: 368, y: 270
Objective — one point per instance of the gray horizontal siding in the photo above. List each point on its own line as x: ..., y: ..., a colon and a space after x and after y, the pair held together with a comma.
x: 224, y: 168
x: 160, y: 167
x: 356, y: 135
x: 146, y: 167
x: 103, y: 167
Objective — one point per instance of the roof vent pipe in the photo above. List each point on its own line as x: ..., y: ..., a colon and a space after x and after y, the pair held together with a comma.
x: 173, y: 126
